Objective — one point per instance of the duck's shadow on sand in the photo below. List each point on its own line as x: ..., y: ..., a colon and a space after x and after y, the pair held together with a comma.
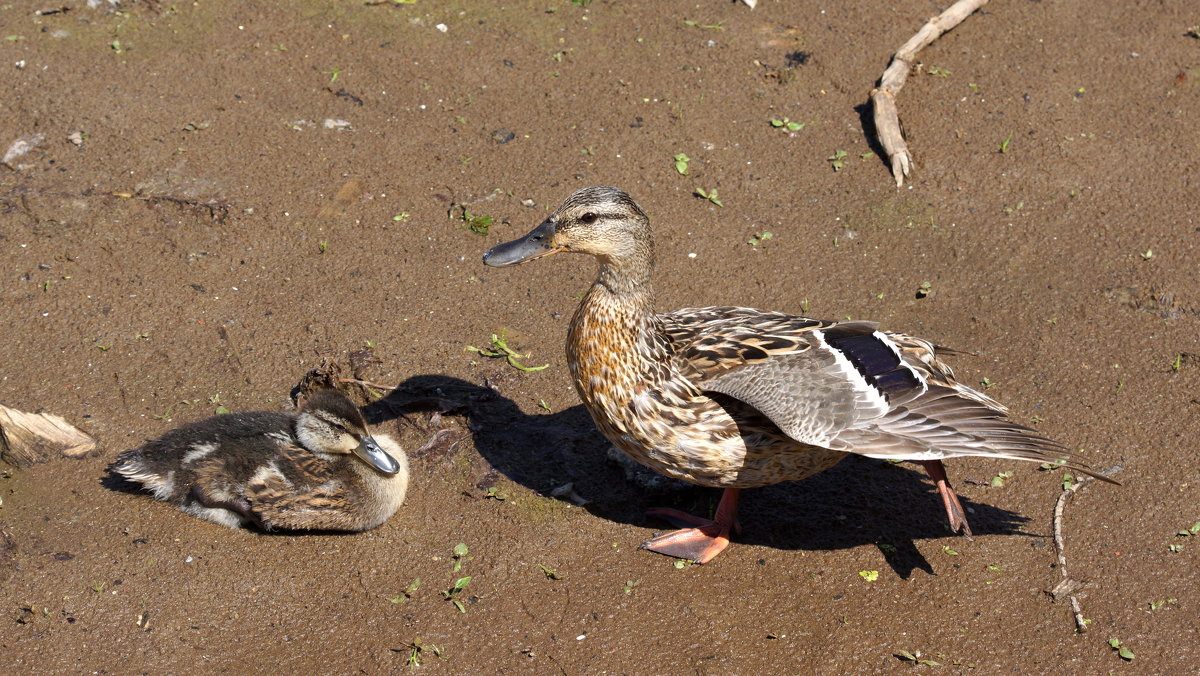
x: 860, y: 501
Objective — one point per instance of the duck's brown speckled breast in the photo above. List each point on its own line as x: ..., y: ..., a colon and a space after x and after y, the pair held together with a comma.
x: 622, y: 369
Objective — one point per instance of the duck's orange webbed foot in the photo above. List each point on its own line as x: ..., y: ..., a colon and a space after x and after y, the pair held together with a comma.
x: 703, y: 539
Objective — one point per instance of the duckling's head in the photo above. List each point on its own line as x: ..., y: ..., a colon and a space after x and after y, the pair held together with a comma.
x: 601, y: 221
x: 331, y: 424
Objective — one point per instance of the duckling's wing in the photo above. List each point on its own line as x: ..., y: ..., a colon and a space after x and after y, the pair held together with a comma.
x: 298, y: 491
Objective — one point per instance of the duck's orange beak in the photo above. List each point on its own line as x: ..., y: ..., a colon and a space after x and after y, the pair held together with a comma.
x: 537, y: 244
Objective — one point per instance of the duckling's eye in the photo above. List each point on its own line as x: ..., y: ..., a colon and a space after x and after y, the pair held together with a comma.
x: 588, y: 218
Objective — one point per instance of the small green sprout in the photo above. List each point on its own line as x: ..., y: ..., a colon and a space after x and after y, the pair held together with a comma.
x: 681, y: 163
x: 407, y: 592
x: 494, y: 494
x: 459, y: 554
x: 542, y: 403
x: 866, y: 155
x: 116, y: 46
x: 500, y: 348
x: 631, y: 586
x: 401, y: 217
x: 924, y: 289
x: 1155, y: 605
x: 476, y: 224
x: 104, y: 348
x: 1178, y: 363
x: 755, y: 240
x: 949, y: 551
x: 987, y: 384
x: 1124, y: 653
x: 836, y: 160
x: 787, y: 125
x: 995, y: 568
x: 869, y: 575
x: 1147, y: 254
x: 323, y: 246
x: 46, y: 286
x: 1068, y: 481
x: 712, y: 26
x: 680, y: 564
x: 1004, y: 143
x: 416, y: 648
x: 916, y: 658
x: 938, y: 71
x: 334, y: 74
x: 1190, y: 531
x: 999, y: 479
x: 551, y: 573
x: 452, y: 593
x: 710, y: 196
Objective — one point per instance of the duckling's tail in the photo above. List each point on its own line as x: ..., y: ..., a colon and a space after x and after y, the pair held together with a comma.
x: 135, y: 466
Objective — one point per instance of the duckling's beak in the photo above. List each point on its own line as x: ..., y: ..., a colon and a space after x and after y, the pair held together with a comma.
x: 538, y: 243
x: 369, y: 452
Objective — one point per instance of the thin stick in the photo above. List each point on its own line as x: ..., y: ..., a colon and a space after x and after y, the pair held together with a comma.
x: 883, y: 97
x: 367, y: 383
x: 1067, y: 583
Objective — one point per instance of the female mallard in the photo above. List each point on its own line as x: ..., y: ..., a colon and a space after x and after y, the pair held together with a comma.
x: 318, y: 469
x: 735, y: 398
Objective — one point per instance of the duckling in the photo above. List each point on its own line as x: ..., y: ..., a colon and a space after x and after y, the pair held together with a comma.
x: 317, y: 469
x: 734, y: 397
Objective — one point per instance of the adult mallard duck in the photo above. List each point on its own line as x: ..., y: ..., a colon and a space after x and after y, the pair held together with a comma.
x: 733, y: 397
x: 318, y: 469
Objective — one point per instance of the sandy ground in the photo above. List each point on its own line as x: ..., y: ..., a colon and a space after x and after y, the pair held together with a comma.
x: 258, y: 187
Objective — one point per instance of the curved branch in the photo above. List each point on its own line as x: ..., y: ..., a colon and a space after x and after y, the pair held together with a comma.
x: 883, y: 97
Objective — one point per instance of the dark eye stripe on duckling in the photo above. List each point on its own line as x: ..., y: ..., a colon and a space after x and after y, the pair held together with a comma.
x: 875, y: 360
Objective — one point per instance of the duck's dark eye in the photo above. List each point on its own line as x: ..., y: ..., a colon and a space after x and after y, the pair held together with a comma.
x: 588, y: 218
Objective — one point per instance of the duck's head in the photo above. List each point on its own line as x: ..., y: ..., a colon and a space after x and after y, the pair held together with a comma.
x: 599, y: 221
x: 330, y: 423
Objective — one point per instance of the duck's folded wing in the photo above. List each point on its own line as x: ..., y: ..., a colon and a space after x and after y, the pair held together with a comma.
x: 814, y: 380
x: 849, y: 387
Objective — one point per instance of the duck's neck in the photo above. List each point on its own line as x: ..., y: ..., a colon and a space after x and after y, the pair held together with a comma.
x: 615, y: 338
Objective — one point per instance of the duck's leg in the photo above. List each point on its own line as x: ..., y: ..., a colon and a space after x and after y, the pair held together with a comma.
x: 704, y: 539
x: 954, y: 510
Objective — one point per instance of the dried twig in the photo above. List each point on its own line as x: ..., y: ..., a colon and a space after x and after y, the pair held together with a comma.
x: 883, y: 97
x: 1068, y: 586
x: 367, y: 383
x: 217, y: 210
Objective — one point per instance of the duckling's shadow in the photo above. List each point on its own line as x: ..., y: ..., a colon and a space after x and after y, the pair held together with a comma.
x: 858, y: 502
